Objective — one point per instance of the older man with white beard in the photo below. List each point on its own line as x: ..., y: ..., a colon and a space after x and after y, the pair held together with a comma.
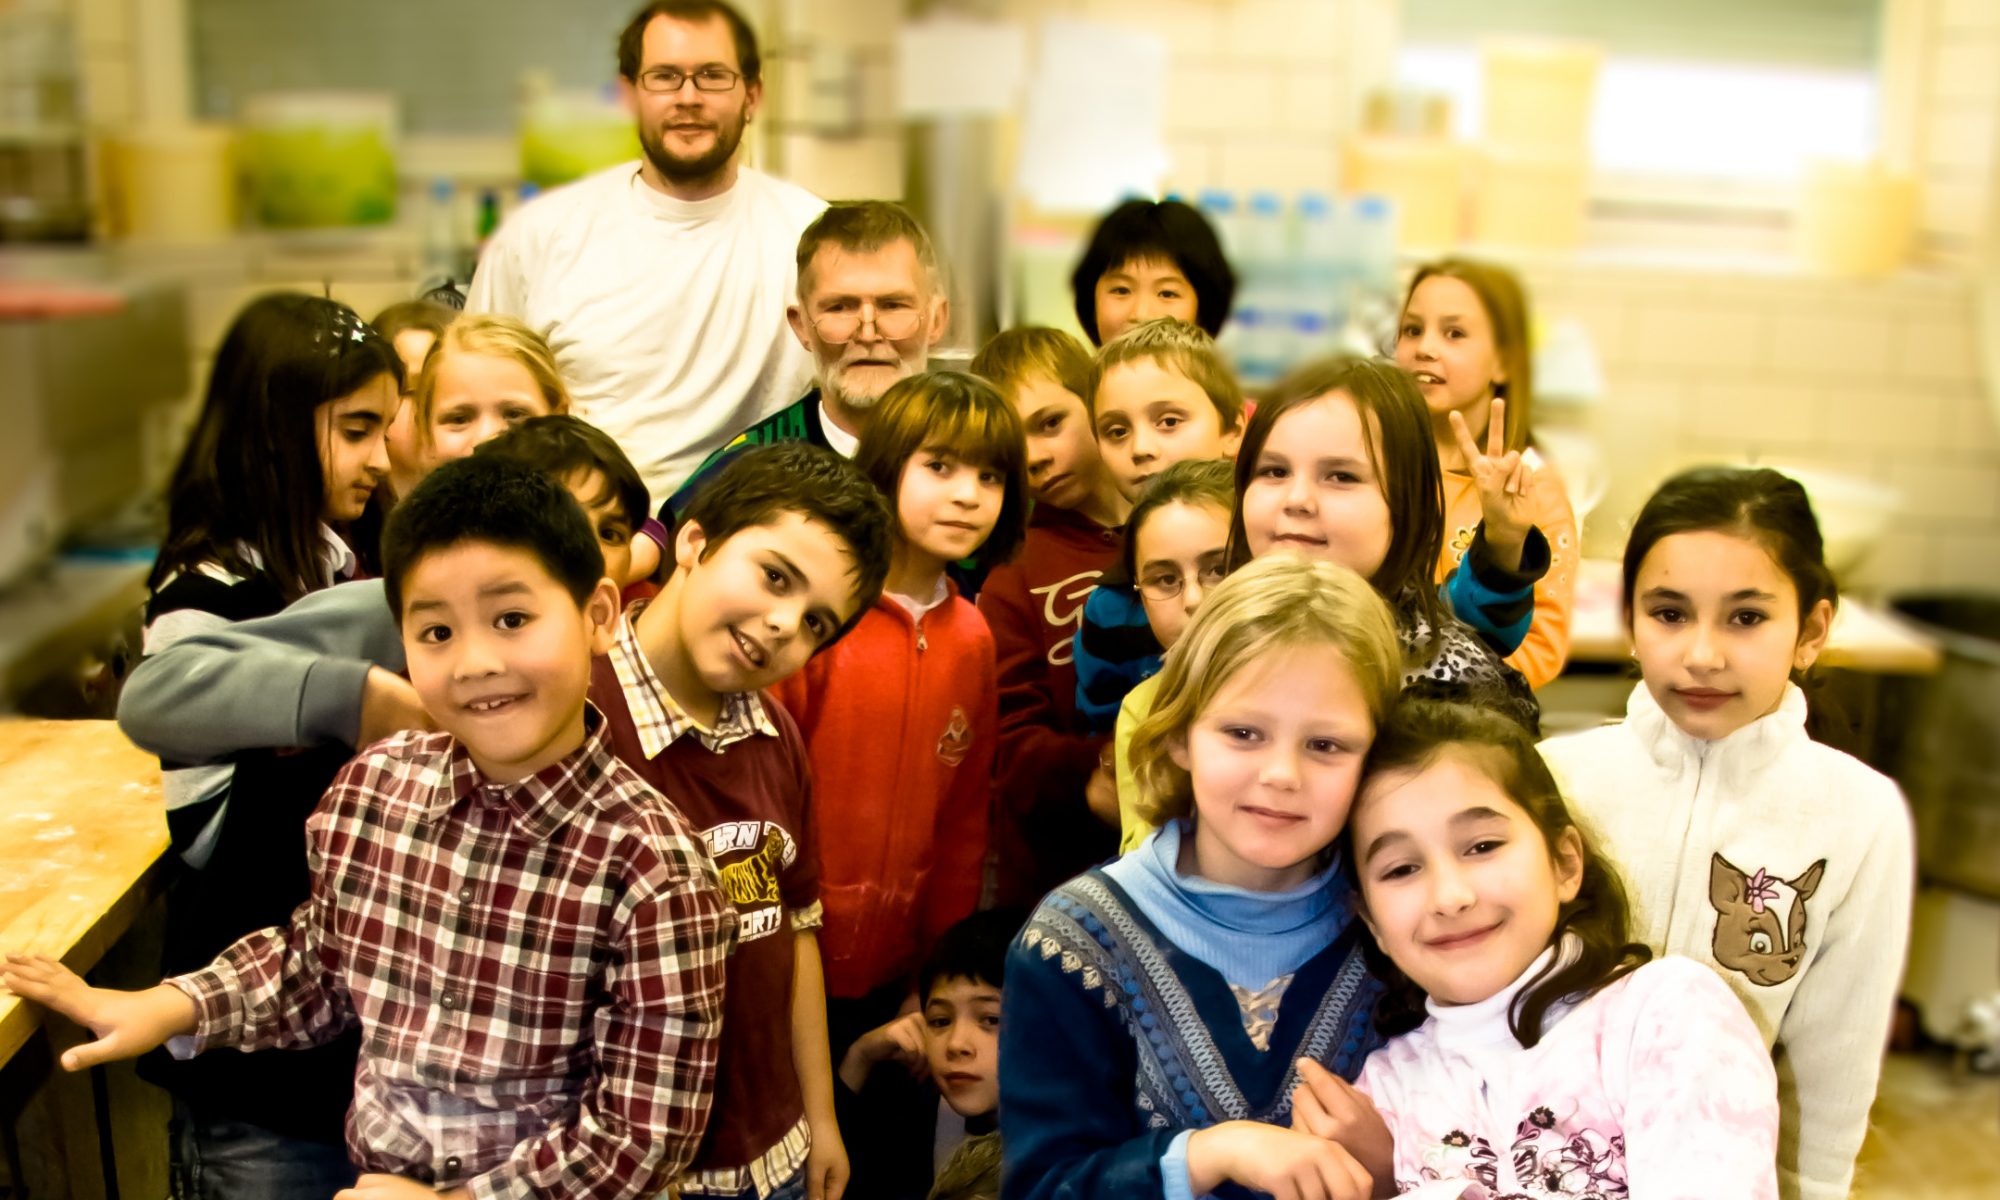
x: 661, y: 284
x: 870, y: 308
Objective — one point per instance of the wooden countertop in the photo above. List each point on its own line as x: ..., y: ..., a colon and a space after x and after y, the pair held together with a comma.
x: 1864, y: 638
x: 82, y: 821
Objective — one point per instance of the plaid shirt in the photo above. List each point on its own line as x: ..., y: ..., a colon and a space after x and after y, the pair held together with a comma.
x: 658, y: 718
x: 537, y: 969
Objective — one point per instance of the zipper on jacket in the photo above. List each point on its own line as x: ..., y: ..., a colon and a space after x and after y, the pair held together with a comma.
x: 1687, y: 828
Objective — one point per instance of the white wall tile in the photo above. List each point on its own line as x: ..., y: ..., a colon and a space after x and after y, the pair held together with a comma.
x: 1964, y: 558
x: 1191, y: 27
x: 109, y: 93
x: 1292, y: 30
x: 1310, y: 100
x: 1250, y: 162
x: 1222, y: 98
x: 1714, y: 340
x: 1968, y: 16
x: 1954, y: 206
x: 1193, y: 165
x: 1943, y: 491
x: 870, y: 23
x: 103, y: 23
x: 1960, y: 137
x: 1805, y: 340
x: 846, y: 168
x: 1759, y: 415
x: 1971, y: 427
x: 1907, y: 417
x: 1962, y: 68
x: 1894, y: 562
x: 1937, y: 347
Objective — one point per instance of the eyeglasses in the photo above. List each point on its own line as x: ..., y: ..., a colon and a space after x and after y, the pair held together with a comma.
x: 1166, y: 585
x: 839, y: 328
x: 668, y: 80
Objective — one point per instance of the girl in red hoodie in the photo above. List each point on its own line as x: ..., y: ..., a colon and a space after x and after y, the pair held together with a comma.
x: 900, y: 717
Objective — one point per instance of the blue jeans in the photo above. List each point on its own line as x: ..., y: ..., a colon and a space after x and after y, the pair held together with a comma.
x: 216, y: 1159
x: 792, y: 1189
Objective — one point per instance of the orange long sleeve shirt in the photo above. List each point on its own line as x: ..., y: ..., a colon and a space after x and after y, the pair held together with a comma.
x: 1543, y: 652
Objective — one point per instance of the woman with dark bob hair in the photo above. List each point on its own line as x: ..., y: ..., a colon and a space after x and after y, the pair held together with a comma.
x: 1149, y: 259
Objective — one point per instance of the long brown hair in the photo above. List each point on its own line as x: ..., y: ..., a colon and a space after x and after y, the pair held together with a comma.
x: 1396, y: 428
x: 249, y: 493
x: 1417, y: 733
x: 1506, y: 303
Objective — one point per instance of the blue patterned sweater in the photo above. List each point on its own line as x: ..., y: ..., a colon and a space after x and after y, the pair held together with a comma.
x: 1116, y: 1038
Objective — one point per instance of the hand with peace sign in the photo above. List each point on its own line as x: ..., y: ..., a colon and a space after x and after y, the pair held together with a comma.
x: 1506, y: 486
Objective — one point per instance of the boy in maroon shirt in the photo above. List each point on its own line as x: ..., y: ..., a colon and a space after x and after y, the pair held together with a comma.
x: 1042, y: 830
x: 773, y: 561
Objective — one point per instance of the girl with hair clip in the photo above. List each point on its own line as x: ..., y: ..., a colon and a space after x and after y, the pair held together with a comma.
x: 1535, y: 1051
x: 1783, y: 864
x: 900, y: 718
x: 486, y: 374
x: 1156, y: 1008
x: 288, y: 448
x: 1337, y: 463
x: 1464, y: 339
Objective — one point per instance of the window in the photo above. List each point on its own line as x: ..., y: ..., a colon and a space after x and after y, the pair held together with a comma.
x: 1707, y: 100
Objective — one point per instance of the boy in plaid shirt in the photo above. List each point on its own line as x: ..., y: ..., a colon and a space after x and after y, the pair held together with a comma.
x: 531, y: 941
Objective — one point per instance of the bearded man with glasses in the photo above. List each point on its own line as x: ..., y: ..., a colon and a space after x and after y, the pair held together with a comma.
x: 661, y: 284
x: 870, y: 307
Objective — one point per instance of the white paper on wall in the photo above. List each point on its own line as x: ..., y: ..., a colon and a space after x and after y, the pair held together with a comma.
x: 1094, y: 129
x: 953, y: 67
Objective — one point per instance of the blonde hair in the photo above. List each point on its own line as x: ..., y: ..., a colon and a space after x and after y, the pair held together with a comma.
x: 1181, y: 348
x: 498, y: 335
x: 1016, y: 357
x: 1276, y: 603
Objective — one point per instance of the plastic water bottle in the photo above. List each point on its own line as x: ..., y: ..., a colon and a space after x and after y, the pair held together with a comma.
x: 1322, y: 263
x: 444, y: 273
x: 1219, y: 207
x: 1375, y: 243
x: 1374, y: 303
x: 1264, y: 289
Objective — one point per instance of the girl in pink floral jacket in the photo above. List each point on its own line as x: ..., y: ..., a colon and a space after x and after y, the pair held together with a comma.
x: 1544, y: 1055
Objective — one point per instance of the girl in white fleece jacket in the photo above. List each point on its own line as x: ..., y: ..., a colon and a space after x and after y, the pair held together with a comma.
x: 1782, y: 863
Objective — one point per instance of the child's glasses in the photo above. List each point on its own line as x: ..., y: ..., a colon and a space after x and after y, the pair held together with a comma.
x: 667, y: 80
x: 1165, y: 585
x: 839, y: 328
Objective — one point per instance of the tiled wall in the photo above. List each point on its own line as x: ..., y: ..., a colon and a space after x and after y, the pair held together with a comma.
x: 1881, y: 380
x: 1943, y: 69
x: 1258, y: 91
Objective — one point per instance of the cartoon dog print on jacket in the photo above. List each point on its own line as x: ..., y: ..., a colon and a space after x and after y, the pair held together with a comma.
x: 1760, y: 920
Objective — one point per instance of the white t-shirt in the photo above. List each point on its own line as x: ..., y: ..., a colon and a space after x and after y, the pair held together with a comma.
x: 667, y: 318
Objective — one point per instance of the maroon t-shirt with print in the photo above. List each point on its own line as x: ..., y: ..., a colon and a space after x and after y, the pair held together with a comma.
x: 751, y: 802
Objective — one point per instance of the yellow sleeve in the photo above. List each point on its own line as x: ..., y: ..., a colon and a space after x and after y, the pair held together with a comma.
x: 1132, y: 828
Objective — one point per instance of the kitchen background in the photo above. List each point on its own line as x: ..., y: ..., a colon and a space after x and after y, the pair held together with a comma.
x: 1753, y: 230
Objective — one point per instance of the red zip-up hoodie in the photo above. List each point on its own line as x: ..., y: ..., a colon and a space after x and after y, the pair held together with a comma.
x: 899, y: 719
